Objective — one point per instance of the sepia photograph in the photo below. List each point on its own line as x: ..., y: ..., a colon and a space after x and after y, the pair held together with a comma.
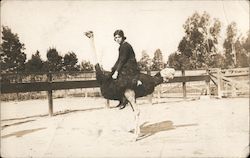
x: 125, y: 79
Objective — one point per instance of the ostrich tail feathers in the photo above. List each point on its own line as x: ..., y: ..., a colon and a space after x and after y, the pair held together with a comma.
x: 167, y: 73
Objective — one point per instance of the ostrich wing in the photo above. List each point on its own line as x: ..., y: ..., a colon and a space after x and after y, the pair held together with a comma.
x: 110, y: 88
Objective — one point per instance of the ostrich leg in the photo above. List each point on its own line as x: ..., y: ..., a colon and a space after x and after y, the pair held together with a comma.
x: 130, y: 95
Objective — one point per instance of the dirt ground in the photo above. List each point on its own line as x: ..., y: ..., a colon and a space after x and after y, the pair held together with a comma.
x: 83, y: 127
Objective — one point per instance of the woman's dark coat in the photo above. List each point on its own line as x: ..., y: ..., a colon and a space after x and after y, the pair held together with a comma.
x: 127, y: 67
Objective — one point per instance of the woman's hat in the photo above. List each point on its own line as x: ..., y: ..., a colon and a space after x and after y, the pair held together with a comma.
x: 120, y: 33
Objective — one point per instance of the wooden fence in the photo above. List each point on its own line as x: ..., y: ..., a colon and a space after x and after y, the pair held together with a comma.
x: 228, y: 82
x: 50, y: 85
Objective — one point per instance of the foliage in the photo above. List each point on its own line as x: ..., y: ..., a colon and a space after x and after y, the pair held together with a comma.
x: 145, y: 62
x: 242, y: 56
x: 179, y: 61
x: 54, y: 61
x: 200, y: 41
x: 35, y: 64
x: 229, y: 45
x: 70, y: 62
x: 12, y: 52
x: 246, y: 43
x: 242, y: 59
x: 86, y: 66
x: 185, y: 47
x: 242, y: 48
x: 216, y: 61
x: 157, y: 62
x: 200, y: 45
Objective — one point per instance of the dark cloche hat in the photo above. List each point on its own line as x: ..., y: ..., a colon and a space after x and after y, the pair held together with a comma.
x: 120, y: 33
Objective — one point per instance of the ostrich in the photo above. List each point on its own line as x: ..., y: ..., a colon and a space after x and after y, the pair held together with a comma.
x: 110, y: 88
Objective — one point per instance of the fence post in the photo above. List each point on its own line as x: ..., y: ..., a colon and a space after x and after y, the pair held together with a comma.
x: 85, y: 93
x: 184, y: 84
x: 65, y: 79
x: 234, y: 94
x: 208, y: 85
x: 49, y: 78
x: 17, y: 80
x: 219, y: 80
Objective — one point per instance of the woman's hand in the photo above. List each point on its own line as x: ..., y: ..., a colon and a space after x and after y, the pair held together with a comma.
x: 114, y: 76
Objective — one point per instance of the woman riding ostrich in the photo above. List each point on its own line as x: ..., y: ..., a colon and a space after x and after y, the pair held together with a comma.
x: 126, y: 70
x: 128, y: 86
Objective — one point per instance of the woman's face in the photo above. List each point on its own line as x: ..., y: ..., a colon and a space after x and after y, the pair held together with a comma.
x: 118, y: 39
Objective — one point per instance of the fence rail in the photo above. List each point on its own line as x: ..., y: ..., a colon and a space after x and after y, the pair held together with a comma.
x: 46, y: 86
x: 228, y: 81
x: 50, y: 85
x: 62, y: 85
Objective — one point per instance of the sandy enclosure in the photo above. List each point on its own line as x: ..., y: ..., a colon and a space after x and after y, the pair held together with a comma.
x: 83, y: 127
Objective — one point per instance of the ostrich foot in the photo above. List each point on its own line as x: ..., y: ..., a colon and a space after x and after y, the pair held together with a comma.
x: 136, y: 138
x: 124, y: 104
x: 118, y: 105
x: 137, y: 135
x: 121, y: 106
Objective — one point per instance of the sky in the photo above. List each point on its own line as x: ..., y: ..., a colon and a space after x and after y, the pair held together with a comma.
x: 148, y: 25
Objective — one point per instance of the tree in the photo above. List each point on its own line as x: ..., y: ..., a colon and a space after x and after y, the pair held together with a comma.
x: 12, y: 52
x: 70, y: 62
x: 179, y: 61
x: 185, y: 47
x: 35, y: 64
x: 145, y: 62
x: 86, y: 66
x: 246, y: 43
x: 214, y: 35
x: 229, y: 45
x: 158, y: 63
x: 200, y: 40
x: 173, y: 61
x: 216, y: 61
x: 54, y: 61
x: 242, y: 55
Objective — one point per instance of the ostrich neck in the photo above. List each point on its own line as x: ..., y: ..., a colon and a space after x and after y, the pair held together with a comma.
x: 93, y: 50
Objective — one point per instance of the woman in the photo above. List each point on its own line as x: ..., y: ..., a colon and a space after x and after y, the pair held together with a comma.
x: 125, y: 71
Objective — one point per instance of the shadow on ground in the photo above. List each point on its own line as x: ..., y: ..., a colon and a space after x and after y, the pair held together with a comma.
x: 22, y: 133
x: 55, y: 114
x: 5, y: 125
x: 151, y: 129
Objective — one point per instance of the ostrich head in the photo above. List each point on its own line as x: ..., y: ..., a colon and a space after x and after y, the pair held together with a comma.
x: 89, y: 34
x: 167, y: 73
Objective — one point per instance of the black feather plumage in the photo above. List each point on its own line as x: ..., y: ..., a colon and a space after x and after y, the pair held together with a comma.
x: 113, y: 90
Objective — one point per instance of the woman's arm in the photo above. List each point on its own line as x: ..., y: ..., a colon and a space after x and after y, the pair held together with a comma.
x: 123, y: 57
